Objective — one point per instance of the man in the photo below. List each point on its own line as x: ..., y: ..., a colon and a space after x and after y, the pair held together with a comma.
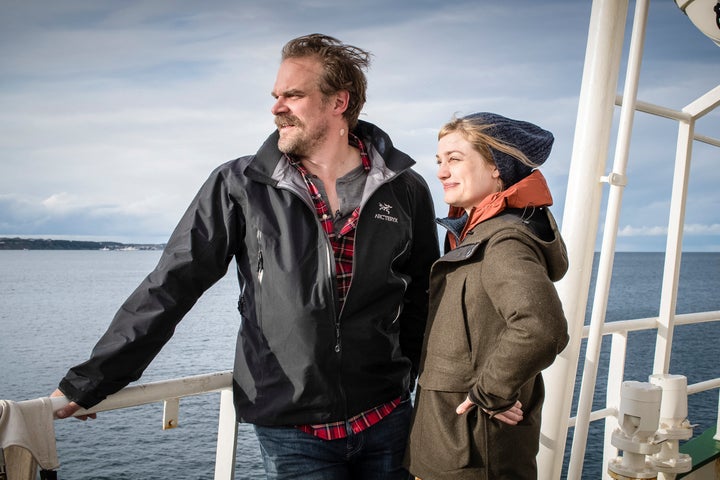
x: 333, y: 235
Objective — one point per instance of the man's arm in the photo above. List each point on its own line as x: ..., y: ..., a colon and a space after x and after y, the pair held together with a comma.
x: 196, y: 256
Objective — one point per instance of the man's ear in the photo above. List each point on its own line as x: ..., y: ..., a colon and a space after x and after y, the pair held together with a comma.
x: 342, y: 101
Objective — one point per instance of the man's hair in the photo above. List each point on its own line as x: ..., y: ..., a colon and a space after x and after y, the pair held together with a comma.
x: 343, y: 68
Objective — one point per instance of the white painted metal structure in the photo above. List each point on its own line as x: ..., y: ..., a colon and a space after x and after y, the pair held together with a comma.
x: 170, y: 392
x: 587, y: 179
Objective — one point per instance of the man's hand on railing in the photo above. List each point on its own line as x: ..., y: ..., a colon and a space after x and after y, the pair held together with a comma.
x: 69, y: 409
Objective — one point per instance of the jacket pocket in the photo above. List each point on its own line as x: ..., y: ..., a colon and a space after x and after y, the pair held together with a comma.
x: 449, y: 332
x: 441, y: 440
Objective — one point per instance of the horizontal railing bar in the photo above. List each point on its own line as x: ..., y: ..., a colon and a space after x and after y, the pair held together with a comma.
x: 157, y: 391
x: 200, y: 384
x: 665, y: 112
x: 596, y: 415
x: 651, y: 323
x: 709, y: 140
x: 703, y: 386
x: 658, y: 110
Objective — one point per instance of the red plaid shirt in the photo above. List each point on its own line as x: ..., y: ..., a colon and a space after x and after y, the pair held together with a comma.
x: 343, y: 244
x: 356, y: 424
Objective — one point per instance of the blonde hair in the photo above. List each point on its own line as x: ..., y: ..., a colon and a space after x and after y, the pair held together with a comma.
x: 476, y: 132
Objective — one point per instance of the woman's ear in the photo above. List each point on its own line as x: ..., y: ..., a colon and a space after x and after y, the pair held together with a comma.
x: 498, y: 180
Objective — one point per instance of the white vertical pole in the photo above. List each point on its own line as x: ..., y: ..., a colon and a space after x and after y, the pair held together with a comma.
x: 580, y: 220
x: 717, y: 425
x: 617, y: 183
x: 226, y: 439
x: 616, y: 374
x: 673, y: 250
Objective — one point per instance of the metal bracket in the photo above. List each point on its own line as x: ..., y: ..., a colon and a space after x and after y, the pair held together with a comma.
x: 171, y: 412
x: 615, y: 179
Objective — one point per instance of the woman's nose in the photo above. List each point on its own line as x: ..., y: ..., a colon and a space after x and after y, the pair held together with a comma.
x: 443, y: 171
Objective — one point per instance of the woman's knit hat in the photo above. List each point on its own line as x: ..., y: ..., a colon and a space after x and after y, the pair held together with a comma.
x: 530, y: 139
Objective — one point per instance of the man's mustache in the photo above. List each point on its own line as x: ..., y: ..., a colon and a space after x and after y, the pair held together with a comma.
x: 285, y: 120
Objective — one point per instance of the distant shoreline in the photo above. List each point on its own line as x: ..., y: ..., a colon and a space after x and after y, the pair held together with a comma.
x: 17, y: 243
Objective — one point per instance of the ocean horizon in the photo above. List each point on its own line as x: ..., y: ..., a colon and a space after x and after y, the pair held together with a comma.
x: 56, y: 304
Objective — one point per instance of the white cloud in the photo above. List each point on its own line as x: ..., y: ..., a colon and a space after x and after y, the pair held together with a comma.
x: 629, y: 231
x: 126, y: 107
x: 61, y: 202
x: 646, y: 231
x: 695, y: 229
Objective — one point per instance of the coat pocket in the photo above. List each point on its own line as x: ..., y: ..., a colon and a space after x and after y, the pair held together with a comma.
x: 449, y: 332
x: 442, y: 441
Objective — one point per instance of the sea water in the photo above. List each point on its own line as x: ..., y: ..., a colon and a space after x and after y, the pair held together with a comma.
x: 54, y: 305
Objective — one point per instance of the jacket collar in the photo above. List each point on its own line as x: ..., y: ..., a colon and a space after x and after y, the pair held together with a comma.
x: 532, y: 191
x: 269, y: 166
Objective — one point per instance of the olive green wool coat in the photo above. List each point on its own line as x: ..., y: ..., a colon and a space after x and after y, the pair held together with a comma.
x: 495, y: 322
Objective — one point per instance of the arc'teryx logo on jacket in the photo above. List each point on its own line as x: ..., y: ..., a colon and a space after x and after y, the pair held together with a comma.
x: 385, y: 208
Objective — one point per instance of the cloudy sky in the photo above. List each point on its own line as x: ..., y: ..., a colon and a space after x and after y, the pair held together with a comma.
x: 113, y: 113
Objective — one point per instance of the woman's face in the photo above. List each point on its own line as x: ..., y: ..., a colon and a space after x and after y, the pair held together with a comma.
x: 467, y: 178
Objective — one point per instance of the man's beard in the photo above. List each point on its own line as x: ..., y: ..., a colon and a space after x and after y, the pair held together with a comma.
x: 301, y: 142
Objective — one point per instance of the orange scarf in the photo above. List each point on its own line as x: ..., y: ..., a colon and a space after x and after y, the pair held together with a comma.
x: 531, y: 191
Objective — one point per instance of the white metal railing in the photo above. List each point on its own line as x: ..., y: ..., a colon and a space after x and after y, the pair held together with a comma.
x: 586, y: 181
x: 170, y: 392
x: 667, y: 320
x: 619, y: 331
x: 581, y: 217
x: 617, y: 181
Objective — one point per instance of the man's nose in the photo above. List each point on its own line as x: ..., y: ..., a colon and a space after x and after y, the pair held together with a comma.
x: 279, y: 106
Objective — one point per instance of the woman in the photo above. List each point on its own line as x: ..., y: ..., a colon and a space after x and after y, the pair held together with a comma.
x: 495, y: 317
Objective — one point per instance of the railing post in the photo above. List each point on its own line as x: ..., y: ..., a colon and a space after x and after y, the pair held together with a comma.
x: 226, y: 439
x: 580, y: 218
x: 617, y: 181
x: 717, y: 426
x: 616, y: 374
x: 673, y: 251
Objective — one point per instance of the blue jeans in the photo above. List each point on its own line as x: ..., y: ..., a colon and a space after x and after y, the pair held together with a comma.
x: 373, y: 454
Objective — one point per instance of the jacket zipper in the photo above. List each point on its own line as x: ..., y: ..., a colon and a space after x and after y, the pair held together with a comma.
x: 260, y: 269
x: 336, y: 316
